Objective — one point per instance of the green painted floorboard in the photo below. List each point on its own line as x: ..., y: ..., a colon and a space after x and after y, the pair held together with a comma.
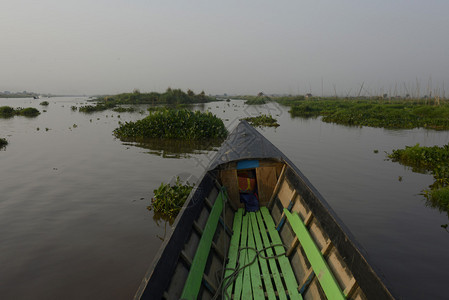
x: 327, y: 281
x: 233, y: 250
x: 289, y: 276
x: 195, y: 277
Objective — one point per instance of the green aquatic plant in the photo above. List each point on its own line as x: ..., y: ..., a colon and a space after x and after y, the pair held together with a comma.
x: 101, y: 106
x: 8, y: 112
x: 169, y: 199
x: 170, y: 96
x: 44, y: 103
x: 433, y: 160
x: 374, y: 113
x: 438, y: 198
x: 262, y: 120
x: 3, y: 142
x: 124, y: 109
x: 28, y: 112
x: 257, y: 101
x: 174, y: 124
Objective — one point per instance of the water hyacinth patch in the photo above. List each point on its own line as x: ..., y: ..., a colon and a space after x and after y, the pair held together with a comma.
x: 3, y: 142
x: 429, y: 159
x: 176, y: 124
x: 7, y: 112
x: 262, y: 121
x: 372, y: 113
x: 169, y: 199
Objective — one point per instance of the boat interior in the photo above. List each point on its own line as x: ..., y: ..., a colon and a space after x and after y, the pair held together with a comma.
x: 279, y: 242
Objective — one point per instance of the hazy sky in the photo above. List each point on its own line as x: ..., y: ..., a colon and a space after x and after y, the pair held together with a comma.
x: 113, y: 46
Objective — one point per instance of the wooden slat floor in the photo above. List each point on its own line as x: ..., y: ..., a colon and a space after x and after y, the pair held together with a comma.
x: 251, y: 276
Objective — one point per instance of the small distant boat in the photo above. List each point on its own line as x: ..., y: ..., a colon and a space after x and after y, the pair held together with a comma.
x: 254, y: 227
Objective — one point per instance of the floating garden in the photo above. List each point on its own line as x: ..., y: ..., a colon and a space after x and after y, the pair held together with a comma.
x: 433, y: 160
x: 8, y: 112
x: 262, y: 121
x: 169, y: 199
x: 170, y: 96
x: 375, y: 113
x: 174, y: 124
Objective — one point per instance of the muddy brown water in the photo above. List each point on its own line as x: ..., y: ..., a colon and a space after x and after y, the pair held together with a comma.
x: 73, y: 217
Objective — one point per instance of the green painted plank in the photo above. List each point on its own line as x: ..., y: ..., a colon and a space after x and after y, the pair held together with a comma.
x: 284, y: 263
x: 272, y: 262
x: 256, y: 282
x: 315, y: 257
x: 233, y: 249
x: 263, y: 262
x: 247, y: 291
x: 193, y: 282
x: 242, y: 259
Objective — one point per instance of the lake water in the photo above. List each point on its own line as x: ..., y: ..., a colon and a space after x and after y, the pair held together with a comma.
x: 73, y: 217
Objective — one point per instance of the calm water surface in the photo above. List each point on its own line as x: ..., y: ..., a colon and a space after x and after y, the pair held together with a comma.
x: 73, y: 217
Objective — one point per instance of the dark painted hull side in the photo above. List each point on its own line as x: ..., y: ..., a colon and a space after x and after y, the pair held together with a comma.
x: 158, y: 276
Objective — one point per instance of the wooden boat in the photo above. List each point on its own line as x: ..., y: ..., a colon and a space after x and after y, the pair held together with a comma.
x: 290, y: 246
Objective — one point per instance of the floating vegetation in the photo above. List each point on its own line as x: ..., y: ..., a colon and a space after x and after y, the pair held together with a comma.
x: 169, y: 199
x: 156, y: 108
x: 258, y: 100
x: 8, y: 112
x: 262, y: 121
x: 174, y: 124
x: 124, y: 109
x: 97, y: 107
x: 375, y: 113
x: 171, y: 96
x: 44, y: 103
x: 438, y: 198
x: 429, y: 159
x: 74, y: 108
x: 3, y: 142
x: 74, y: 126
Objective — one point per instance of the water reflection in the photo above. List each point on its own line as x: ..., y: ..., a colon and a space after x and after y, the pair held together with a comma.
x: 173, y: 148
x: 160, y: 219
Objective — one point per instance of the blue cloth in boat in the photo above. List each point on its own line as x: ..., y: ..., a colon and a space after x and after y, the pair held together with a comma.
x: 251, y: 202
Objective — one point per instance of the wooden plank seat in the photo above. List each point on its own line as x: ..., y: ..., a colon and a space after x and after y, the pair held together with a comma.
x: 195, y: 277
x: 319, y: 266
x: 257, y: 267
